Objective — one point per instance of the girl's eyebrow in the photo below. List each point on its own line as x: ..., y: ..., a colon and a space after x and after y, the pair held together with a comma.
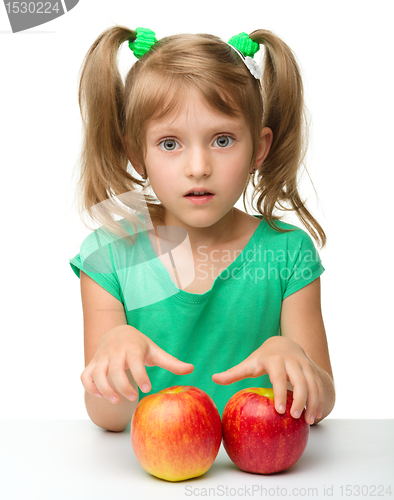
x: 220, y: 126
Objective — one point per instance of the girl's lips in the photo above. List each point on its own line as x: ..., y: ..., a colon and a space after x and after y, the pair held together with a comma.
x: 200, y: 200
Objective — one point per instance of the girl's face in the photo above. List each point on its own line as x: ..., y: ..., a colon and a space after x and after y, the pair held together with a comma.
x: 198, y: 148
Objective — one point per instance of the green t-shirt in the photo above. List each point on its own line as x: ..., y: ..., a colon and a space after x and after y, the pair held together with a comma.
x: 214, y: 330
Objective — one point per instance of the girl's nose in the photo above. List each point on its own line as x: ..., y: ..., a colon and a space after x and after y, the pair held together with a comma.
x: 198, y: 162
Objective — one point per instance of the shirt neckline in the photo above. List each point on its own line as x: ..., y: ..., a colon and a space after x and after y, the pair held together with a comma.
x: 228, y: 273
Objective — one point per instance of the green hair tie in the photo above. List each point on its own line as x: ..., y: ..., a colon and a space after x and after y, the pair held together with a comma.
x: 143, y: 42
x: 244, y: 44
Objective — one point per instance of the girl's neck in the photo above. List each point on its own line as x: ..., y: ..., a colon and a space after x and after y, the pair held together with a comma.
x: 234, y: 226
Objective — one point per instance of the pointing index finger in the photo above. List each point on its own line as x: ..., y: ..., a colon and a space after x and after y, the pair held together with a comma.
x: 234, y: 374
x: 171, y: 363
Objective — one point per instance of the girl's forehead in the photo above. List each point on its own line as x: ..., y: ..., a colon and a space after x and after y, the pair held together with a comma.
x: 189, y: 107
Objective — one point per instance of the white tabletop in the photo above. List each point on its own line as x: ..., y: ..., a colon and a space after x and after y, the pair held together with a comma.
x: 75, y: 459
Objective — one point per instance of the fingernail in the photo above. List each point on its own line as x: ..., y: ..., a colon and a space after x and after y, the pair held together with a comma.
x: 132, y: 397
x: 145, y: 388
x: 113, y: 399
x: 282, y: 408
x: 297, y: 414
x: 99, y: 395
x: 312, y: 419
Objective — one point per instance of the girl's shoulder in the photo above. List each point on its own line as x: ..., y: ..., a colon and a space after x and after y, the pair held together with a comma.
x: 273, y: 222
x: 281, y: 233
x: 249, y: 223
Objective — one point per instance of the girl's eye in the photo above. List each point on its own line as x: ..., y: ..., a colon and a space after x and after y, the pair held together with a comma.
x: 169, y: 144
x: 223, y: 141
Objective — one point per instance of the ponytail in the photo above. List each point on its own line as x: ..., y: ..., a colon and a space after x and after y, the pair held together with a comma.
x: 103, y: 158
x: 284, y: 114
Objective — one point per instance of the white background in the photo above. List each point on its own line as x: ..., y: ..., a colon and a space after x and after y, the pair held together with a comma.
x: 345, y: 51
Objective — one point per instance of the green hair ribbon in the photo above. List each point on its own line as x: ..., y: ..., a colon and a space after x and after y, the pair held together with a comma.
x: 246, y: 49
x: 143, y: 42
x: 244, y: 44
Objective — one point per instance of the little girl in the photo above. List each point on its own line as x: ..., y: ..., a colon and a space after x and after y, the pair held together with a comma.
x: 185, y: 289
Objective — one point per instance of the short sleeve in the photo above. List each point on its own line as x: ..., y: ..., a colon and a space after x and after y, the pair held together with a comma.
x: 96, y: 260
x: 303, y: 262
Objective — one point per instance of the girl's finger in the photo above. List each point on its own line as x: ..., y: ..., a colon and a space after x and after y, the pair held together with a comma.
x: 278, y: 378
x: 138, y: 372
x: 227, y: 377
x: 119, y: 380
x: 321, y: 397
x: 312, y: 400
x: 100, y: 378
x: 245, y: 369
x: 88, y: 382
x: 168, y: 362
x: 300, y: 389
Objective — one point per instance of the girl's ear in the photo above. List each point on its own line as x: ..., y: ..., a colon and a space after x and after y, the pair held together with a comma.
x: 266, y: 138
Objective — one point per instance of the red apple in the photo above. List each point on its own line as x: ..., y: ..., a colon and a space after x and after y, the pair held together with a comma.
x: 176, y: 433
x: 259, y: 439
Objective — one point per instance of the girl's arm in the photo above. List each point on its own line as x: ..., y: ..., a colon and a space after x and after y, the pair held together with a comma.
x: 299, y: 357
x: 102, y: 312
x: 116, y: 355
x: 302, y: 322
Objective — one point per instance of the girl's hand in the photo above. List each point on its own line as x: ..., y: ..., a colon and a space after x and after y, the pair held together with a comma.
x: 283, y: 360
x: 124, y: 348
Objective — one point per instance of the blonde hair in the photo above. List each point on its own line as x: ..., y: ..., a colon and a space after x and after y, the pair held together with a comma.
x: 154, y: 87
